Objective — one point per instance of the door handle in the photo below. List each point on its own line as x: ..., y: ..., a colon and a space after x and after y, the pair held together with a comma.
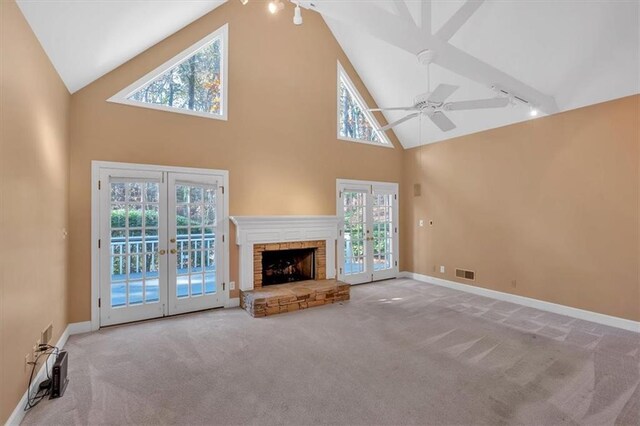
x: 173, y: 240
x: 162, y: 252
x: 173, y: 251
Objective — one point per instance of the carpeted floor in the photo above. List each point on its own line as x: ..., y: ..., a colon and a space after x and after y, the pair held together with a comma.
x: 400, y: 352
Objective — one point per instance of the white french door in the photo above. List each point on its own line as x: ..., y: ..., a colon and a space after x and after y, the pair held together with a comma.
x: 194, y: 247
x: 368, y: 238
x: 160, y: 243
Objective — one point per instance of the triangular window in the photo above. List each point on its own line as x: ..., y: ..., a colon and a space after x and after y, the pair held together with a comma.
x: 194, y: 82
x: 355, y: 122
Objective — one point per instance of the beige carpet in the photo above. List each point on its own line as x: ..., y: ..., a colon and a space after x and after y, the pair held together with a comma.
x: 400, y: 352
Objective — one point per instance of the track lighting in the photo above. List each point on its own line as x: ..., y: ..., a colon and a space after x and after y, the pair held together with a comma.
x: 275, y: 6
x: 297, y: 15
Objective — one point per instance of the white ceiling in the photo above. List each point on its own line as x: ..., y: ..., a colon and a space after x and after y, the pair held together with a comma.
x: 85, y: 39
x: 580, y: 53
x: 576, y: 52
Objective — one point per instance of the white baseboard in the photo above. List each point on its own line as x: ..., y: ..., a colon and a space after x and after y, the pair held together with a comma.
x: 74, y: 328
x: 232, y: 303
x: 527, y: 301
x: 79, y: 327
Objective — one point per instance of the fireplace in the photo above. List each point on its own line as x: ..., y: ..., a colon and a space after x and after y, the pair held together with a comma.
x: 258, y: 234
x: 279, y: 263
x: 286, y: 266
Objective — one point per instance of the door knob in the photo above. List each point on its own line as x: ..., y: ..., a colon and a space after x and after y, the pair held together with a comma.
x: 172, y: 251
x: 173, y: 240
x: 162, y: 252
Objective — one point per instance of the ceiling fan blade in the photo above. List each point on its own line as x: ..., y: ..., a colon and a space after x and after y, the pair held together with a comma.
x: 442, y: 121
x: 402, y: 120
x: 409, y: 108
x: 477, y: 104
x: 441, y: 93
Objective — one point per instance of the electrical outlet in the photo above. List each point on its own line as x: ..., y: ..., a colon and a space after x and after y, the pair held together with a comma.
x: 232, y: 285
x: 441, y: 269
x: 421, y: 222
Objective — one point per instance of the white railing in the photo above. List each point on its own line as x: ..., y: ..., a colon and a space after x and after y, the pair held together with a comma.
x: 119, y: 251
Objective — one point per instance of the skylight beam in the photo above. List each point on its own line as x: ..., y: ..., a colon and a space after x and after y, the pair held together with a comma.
x: 462, y: 15
x: 425, y: 16
x: 403, y: 11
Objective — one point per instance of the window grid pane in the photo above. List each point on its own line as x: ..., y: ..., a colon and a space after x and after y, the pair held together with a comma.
x: 134, y: 243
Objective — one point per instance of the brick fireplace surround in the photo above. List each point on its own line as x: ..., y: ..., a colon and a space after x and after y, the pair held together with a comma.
x: 320, y: 257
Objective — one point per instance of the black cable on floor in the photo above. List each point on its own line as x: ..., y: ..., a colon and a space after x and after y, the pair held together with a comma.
x: 33, y: 400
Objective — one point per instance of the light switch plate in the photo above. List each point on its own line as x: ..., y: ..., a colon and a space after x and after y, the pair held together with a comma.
x: 441, y: 269
x: 232, y: 285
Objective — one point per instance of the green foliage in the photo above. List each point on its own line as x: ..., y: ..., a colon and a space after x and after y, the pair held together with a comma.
x: 353, y: 122
x: 119, y: 219
x: 356, y: 231
x: 193, y: 84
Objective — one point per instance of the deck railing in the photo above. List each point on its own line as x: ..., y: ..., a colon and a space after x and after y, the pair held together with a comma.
x: 146, y: 249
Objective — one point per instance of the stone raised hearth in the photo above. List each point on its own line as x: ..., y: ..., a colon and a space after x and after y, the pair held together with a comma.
x: 279, y: 298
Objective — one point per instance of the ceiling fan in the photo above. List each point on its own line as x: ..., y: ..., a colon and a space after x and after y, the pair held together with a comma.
x: 433, y: 105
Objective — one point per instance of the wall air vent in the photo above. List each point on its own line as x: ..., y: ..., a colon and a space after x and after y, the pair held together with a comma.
x: 467, y: 275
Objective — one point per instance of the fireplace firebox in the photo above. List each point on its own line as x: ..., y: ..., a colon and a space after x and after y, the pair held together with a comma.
x: 285, y: 266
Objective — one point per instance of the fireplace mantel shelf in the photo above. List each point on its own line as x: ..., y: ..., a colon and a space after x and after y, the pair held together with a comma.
x: 252, y: 230
x: 269, y: 229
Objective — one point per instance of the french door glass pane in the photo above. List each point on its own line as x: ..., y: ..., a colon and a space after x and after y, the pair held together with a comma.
x: 382, y: 231
x: 134, y: 243
x: 354, y: 231
x: 195, y: 242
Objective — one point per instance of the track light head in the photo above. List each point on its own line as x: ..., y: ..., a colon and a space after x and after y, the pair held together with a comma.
x: 297, y: 15
x: 244, y: 2
x: 275, y: 6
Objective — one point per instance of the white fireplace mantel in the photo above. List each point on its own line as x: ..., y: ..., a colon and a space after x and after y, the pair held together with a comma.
x: 252, y: 230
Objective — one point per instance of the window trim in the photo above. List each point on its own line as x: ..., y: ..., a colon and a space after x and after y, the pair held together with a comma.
x: 223, y: 33
x: 342, y: 74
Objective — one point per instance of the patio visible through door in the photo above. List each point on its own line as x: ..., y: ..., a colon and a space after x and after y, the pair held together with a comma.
x: 161, y: 243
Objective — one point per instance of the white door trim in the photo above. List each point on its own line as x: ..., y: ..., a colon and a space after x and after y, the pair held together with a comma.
x: 96, y: 166
x: 388, y: 186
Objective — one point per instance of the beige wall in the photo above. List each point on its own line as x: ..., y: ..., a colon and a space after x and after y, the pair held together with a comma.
x: 33, y: 200
x: 279, y: 143
x: 551, y: 203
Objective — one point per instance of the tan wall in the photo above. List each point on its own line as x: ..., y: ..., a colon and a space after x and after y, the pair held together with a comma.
x: 551, y: 203
x: 33, y: 200
x: 279, y: 144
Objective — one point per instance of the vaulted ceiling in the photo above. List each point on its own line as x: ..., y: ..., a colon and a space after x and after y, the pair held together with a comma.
x: 86, y: 39
x: 558, y: 55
